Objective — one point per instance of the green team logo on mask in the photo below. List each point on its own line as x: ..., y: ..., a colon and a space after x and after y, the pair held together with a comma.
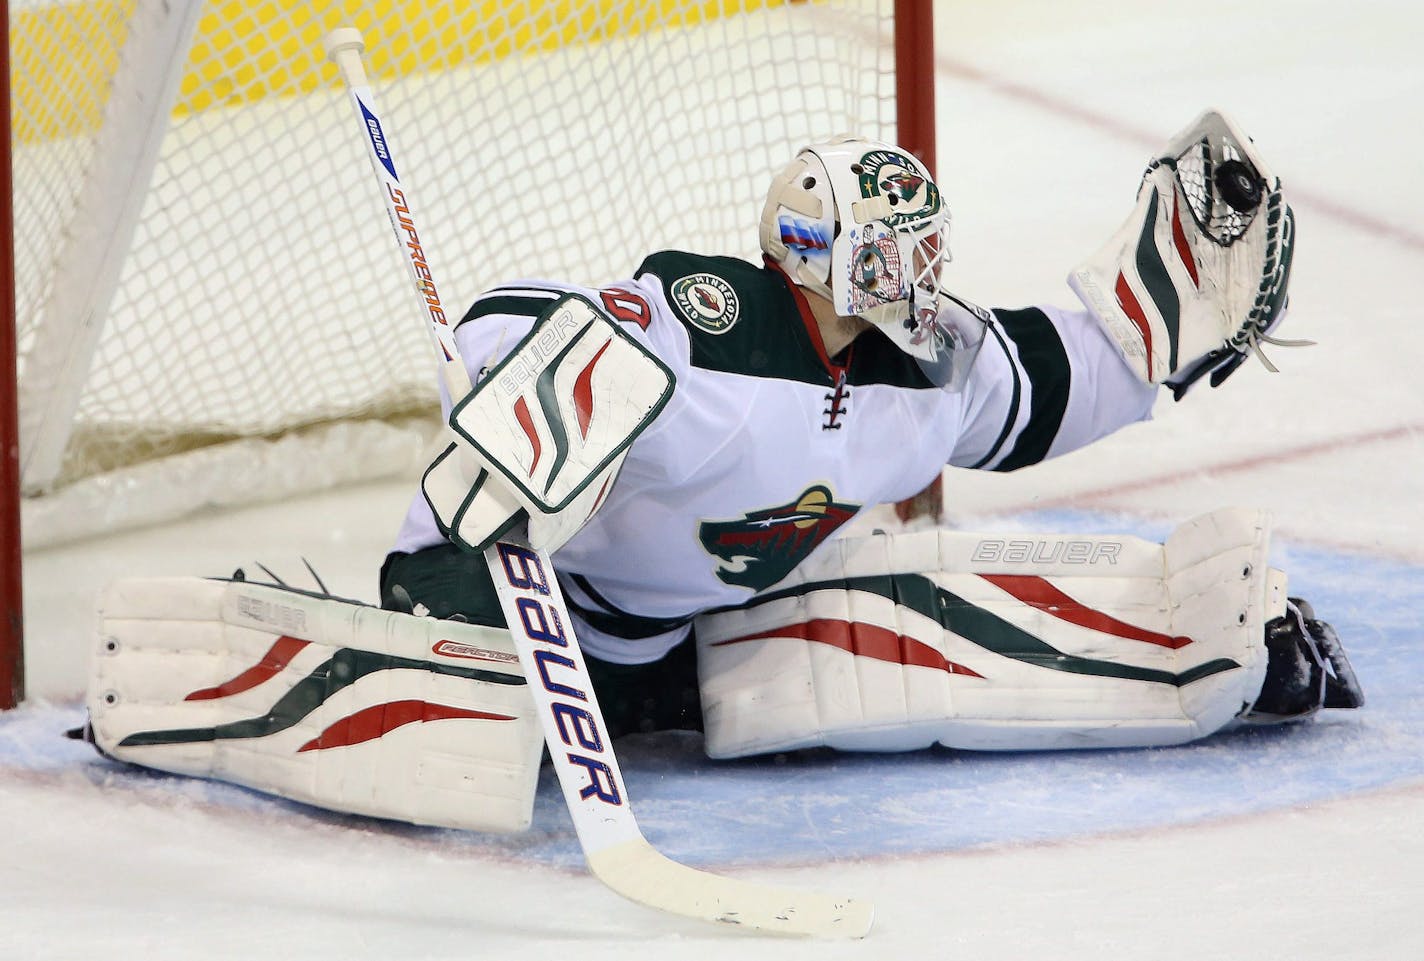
x: 707, y: 301
x: 912, y: 196
x: 764, y: 546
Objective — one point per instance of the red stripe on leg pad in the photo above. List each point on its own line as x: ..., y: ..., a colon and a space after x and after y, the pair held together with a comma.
x: 278, y: 656
x: 867, y: 640
x: 1037, y: 592
x: 373, y: 722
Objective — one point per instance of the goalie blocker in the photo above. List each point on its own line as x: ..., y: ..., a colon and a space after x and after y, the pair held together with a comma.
x: 543, y: 434
x: 882, y: 643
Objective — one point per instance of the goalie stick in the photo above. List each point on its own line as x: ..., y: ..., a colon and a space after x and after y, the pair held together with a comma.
x: 613, y: 845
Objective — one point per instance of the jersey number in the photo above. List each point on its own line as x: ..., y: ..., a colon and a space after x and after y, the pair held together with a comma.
x: 627, y: 307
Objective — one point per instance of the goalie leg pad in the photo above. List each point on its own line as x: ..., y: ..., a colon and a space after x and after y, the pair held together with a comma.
x: 324, y: 701
x: 991, y: 642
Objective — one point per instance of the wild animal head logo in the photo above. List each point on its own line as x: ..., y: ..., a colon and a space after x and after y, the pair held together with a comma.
x: 885, y: 173
x: 764, y: 546
x: 707, y: 301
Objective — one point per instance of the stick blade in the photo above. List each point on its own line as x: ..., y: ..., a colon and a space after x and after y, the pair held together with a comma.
x: 637, y: 871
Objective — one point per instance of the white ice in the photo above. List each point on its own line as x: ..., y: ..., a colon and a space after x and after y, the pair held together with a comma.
x: 1047, y: 114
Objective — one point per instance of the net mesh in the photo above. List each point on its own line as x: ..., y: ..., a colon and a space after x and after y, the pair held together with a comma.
x: 261, y: 295
x: 1197, y: 170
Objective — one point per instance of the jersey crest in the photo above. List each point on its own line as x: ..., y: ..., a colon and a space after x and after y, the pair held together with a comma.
x: 707, y: 301
x: 764, y: 546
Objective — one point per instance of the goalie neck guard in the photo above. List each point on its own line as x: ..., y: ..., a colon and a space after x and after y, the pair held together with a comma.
x: 862, y: 223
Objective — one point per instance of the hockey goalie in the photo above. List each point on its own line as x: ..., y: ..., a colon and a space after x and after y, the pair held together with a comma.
x: 690, y: 444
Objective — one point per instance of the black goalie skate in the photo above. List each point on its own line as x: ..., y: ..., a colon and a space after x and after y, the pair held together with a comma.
x: 1306, y: 670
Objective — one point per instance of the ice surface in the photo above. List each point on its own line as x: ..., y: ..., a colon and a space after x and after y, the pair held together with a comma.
x: 1302, y: 844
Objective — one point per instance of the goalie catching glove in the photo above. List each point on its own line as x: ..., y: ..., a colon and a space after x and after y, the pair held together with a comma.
x: 1198, y: 274
x: 544, y: 433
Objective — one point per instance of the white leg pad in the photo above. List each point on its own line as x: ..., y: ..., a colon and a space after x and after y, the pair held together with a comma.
x: 997, y: 642
x: 333, y: 703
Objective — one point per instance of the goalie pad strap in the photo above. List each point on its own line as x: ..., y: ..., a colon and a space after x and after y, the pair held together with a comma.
x: 1022, y: 642
x: 324, y: 701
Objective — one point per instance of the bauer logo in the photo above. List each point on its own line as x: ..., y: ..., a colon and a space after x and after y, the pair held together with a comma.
x: 287, y: 619
x: 543, y: 347
x: 1047, y: 552
x: 707, y: 301
x: 563, y: 678
x: 378, y: 140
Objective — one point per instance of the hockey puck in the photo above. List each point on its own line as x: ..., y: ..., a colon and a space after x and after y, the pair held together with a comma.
x: 1238, y: 185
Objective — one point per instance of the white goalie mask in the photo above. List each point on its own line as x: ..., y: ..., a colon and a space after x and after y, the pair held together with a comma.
x: 862, y: 223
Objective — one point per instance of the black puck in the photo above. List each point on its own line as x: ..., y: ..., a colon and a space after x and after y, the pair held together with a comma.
x: 1238, y: 185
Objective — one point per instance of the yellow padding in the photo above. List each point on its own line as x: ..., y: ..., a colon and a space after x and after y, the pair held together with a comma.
x: 64, y: 55
x: 61, y: 60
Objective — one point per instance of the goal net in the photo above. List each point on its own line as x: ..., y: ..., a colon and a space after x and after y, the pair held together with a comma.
x: 172, y: 356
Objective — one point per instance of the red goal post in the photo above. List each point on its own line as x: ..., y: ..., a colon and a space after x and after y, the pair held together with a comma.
x: 12, y: 661
x: 148, y: 138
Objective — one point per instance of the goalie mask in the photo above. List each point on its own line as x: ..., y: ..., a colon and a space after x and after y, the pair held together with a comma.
x: 863, y: 224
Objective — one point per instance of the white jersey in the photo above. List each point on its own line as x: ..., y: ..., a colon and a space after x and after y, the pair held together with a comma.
x: 768, y: 446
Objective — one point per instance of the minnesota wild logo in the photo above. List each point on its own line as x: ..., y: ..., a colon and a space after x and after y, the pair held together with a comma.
x: 707, y: 301
x: 764, y: 546
x: 893, y: 175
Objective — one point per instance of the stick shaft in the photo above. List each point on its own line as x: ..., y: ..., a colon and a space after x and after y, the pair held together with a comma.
x: 344, y: 47
x: 529, y: 593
